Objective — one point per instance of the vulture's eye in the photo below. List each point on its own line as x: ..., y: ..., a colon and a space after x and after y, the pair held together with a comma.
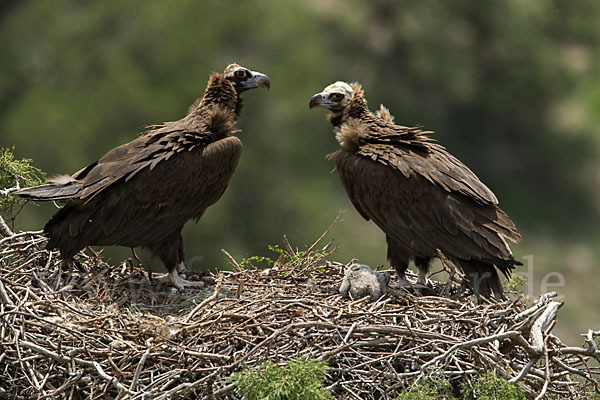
x: 336, y: 96
x: 241, y: 73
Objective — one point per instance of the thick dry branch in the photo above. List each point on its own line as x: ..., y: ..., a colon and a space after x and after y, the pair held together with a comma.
x: 540, y: 325
x: 466, y: 345
x: 541, y: 303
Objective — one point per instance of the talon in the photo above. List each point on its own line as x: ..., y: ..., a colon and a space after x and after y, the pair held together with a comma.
x: 172, y: 278
x: 401, y: 284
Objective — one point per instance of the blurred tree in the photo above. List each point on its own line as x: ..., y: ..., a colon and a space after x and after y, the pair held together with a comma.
x: 501, y: 81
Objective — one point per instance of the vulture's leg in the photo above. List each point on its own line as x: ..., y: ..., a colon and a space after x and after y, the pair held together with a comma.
x: 168, y: 251
x: 181, y: 257
x: 399, y: 261
x: 422, y: 264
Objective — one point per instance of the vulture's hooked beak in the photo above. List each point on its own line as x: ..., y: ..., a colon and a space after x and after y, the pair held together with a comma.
x: 320, y: 100
x: 256, y: 80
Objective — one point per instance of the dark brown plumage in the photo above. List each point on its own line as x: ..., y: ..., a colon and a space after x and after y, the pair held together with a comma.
x: 143, y: 192
x: 422, y: 197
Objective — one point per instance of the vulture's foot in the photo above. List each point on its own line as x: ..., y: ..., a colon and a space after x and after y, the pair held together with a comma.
x: 402, y: 284
x: 173, y: 278
x: 422, y: 280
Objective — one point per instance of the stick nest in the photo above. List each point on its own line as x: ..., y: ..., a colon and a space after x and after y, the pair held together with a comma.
x: 97, y: 330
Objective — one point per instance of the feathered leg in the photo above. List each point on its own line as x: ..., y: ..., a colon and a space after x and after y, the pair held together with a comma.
x: 422, y: 264
x: 399, y: 261
x: 181, y: 257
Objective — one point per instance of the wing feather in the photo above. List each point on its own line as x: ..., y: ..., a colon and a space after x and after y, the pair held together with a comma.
x: 154, y: 202
x: 433, y: 215
x: 389, y: 144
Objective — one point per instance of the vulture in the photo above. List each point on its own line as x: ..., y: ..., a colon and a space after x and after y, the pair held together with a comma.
x: 424, y: 199
x: 143, y: 192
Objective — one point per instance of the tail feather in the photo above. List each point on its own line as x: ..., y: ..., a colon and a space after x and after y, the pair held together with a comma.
x: 63, y: 232
x: 483, y: 278
x: 50, y: 191
x: 63, y: 229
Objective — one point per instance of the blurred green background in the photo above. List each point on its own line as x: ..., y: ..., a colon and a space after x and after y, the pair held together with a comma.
x: 512, y: 88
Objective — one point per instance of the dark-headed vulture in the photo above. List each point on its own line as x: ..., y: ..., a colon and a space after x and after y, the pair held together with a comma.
x: 422, y: 197
x: 143, y: 192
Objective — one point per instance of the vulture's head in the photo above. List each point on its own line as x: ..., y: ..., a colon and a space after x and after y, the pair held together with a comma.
x: 223, y: 90
x: 334, y: 97
x: 243, y: 79
x: 340, y: 98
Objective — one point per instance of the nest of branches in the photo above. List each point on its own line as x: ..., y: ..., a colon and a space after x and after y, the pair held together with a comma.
x: 92, y: 329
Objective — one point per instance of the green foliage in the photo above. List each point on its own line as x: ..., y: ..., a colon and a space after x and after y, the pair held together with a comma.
x: 592, y: 395
x: 300, y: 379
x: 516, y: 283
x: 490, y: 387
x: 588, y: 395
x: 10, y: 171
x: 434, y: 388
x: 256, y: 262
x: 305, y: 262
x: 487, y: 387
x: 289, y: 261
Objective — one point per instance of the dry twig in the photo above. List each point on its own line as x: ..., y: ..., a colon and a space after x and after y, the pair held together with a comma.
x: 106, y: 331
